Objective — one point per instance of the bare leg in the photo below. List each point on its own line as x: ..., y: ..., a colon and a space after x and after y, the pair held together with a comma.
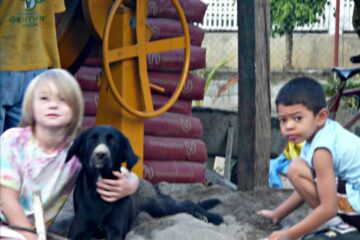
x: 301, y: 178
x: 305, y: 190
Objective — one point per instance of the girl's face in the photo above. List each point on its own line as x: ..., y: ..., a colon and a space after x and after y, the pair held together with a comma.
x: 297, y: 123
x: 51, y: 110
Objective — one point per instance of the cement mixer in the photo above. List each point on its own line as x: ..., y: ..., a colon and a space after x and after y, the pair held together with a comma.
x: 120, y: 29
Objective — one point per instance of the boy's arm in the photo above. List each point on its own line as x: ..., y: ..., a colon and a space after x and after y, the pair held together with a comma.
x: 288, y: 206
x: 325, y: 192
x: 14, y: 212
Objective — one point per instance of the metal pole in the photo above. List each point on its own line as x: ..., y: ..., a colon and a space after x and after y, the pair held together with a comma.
x: 337, y: 24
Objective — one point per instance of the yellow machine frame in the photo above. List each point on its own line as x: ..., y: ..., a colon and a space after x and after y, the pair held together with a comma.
x: 125, y: 91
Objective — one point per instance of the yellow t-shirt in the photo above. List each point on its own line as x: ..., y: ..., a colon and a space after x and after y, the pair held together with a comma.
x: 28, y: 34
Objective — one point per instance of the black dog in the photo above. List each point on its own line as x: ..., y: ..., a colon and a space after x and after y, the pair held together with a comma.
x: 101, y: 150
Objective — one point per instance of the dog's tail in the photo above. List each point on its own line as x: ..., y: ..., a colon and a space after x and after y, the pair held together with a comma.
x: 209, y: 203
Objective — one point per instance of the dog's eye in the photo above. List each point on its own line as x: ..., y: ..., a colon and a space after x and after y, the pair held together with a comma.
x: 94, y: 138
x: 111, y: 139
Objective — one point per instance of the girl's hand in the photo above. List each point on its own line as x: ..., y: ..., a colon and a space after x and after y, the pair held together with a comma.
x: 112, y: 190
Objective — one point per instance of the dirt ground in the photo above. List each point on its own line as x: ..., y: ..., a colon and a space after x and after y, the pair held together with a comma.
x: 238, y: 209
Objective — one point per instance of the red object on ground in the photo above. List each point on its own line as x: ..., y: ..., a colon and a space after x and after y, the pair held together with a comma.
x: 93, y: 62
x: 174, y: 171
x: 177, y: 149
x: 173, y: 125
x: 173, y: 61
x: 88, y: 122
x: 193, y: 89
x: 163, y: 28
x: 194, y: 10
x: 180, y: 106
x: 166, y: 125
x: 87, y: 78
x: 173, y: 150
x: 91, y: 100
x: 169, y: 61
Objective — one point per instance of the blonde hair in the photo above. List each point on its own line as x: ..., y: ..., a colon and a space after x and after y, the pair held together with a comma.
x: 71, y: 91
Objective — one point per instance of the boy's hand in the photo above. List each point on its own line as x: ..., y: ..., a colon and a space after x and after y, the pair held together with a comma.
x: 268, y: 214
x: 112, y: 190
x: 278, y: 235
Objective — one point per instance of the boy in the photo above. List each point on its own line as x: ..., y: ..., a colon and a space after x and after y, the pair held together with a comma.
x: 330, y: 151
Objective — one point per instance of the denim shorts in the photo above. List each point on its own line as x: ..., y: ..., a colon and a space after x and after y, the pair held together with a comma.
x: 12, y: 89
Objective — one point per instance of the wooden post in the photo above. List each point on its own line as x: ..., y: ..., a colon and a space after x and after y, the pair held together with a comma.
x: 254, y: 94
x: 228, y: 152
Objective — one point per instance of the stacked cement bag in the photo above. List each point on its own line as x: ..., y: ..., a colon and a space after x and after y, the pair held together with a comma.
x: 175, y: 152
x: 173, y: 149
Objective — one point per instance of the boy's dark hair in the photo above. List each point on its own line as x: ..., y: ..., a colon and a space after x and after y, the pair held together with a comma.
x: 302, y: 90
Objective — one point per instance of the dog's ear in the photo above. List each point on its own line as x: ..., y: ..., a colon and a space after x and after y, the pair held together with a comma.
x: 130, y: 156
x: 76, y: 146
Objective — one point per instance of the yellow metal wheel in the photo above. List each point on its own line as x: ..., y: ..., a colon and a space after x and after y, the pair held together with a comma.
x: 139, y: 51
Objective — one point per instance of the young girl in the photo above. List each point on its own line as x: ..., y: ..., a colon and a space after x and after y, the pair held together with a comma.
x: 32, y: 156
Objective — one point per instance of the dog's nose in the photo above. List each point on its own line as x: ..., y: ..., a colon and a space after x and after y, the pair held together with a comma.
x: 100, y: 155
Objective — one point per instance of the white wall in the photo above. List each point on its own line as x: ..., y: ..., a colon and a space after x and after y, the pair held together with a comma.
x: 311, y: 50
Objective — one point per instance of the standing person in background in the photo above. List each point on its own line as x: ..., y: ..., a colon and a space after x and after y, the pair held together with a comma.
x: 28, y: 46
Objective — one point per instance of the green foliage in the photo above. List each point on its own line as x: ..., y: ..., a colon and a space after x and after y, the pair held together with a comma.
x: 209, y: 77
x: 287, y: 14
x: 213, y: 72
x: 331, y: 87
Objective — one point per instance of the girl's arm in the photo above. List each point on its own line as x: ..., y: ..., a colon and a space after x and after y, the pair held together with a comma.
x: 125, y: 184
x: 14, y: 212
x: 326, y: 194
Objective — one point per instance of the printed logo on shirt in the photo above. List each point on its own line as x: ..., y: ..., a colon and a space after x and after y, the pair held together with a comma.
x: 29, y: 18
x: 31, y: 4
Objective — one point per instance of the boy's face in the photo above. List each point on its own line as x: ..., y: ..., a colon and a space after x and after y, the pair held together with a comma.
x: 297, y: 123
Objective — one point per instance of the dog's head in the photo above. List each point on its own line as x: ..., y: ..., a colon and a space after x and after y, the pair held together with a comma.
x: 102, y: 148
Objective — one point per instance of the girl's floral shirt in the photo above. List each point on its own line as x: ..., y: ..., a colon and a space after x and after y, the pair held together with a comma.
x: 26, y: 168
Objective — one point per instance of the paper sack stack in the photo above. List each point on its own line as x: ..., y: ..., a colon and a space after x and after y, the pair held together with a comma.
x: 173, y: 149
